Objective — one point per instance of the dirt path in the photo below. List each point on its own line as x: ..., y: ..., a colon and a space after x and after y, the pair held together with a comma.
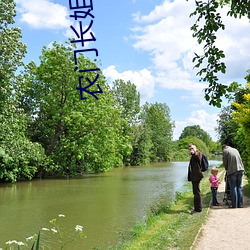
x: 225, y: 228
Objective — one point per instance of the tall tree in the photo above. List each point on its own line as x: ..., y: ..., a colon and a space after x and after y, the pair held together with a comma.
x: 157, y: 121
x: 20, y: 158
x: 208, y: 23
x: 12, y: 51
x: 196, y: 131
x: 79, y: 135
x: 242, y: 116
x: 184, y: 142
x: 128, y: 100
x: 229, y: 130
x: 227, y: 127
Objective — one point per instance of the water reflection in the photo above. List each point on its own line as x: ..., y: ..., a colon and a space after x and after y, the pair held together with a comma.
x: 105, y: 204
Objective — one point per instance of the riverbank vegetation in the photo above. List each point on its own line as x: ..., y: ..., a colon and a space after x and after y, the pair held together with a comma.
x: 47, y: 131
x: 170, y: 226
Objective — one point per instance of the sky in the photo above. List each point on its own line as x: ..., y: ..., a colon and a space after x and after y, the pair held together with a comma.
x: 147, y: 42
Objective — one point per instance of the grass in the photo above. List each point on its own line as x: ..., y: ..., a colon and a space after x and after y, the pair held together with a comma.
x: 246, y: 188
x: 170, y: 226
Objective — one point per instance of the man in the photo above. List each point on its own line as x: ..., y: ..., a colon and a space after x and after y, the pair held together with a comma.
x: 195, y: 175
x: 235, y: 169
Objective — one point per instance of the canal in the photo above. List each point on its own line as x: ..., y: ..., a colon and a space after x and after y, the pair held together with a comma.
x: 106, y: 204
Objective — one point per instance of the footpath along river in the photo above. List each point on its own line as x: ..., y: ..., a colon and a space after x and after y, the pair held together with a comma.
x: 104, y: 204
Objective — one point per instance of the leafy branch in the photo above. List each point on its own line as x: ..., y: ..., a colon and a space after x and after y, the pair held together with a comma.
x: 210, y: 63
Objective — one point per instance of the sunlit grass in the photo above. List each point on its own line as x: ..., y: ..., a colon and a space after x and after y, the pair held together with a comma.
x: 170, y: 226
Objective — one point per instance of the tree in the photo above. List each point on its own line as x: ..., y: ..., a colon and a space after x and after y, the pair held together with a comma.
x: 242, y: 116
x: 196, y: 131
x: 78, y: 135
x: 20, y: 158
x: 128, y: 100
x: 227, y: 127
x: 229, y: 130
x: 142, y: 145
x: 208, y: 23
x: 157, y: 122
x: 183, y: 144
x: 12, y: 50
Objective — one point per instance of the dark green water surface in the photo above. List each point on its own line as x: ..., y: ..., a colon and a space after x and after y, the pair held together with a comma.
x: 104, y: 204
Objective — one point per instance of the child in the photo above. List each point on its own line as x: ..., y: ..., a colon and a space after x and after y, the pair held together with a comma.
x: 214, y: 185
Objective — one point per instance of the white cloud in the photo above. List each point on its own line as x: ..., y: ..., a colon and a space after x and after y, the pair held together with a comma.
x: 234, y: 41
x: 43, y: 14
x: 208, y: 122
x: 165, y: 33
x: 167, y: 36
x: 143, y: 80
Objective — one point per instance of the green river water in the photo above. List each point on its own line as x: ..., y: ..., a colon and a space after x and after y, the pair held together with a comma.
x: 104, y: 204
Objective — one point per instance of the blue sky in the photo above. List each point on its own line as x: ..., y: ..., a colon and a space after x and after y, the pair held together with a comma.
x: 148, y: 42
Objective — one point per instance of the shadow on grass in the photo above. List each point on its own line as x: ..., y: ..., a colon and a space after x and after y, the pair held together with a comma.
x: 246, y: 190
x: 182, y: 204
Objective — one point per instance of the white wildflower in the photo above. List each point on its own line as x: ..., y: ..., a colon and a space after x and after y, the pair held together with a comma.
x: 54, y: 230
x: 10, y: 242
x: 45, y: 229
x: 78, y: 228
x: 20, y: 243
x: 61, y: 215
x: 29, y: 238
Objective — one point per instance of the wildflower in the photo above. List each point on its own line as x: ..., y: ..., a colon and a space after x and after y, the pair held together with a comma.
x: 61, y: 215
x: 78, y: 228
x: 45, y: 229
x: 10, y: 242
x: 20, y: 243
x: 54, y: 230
x: 29, y: 238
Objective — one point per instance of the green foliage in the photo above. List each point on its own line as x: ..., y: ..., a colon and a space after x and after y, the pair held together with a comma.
x: 238, y: 8
x: 78, y: 135
x: 47, y: 130
x: 181, y: 154
x: 205, y: 28
x: 201, y: 146
x: 127, y: 98
x: 157, y: 122
x: 11, y: 50
x: 36, y: 243
x: 142, y: 145
x: 227, y: 127
x: 215, y: 147
x: 233, y: 123
x: 241, y: 116
x: 170, y: 226
x: 196, y: 131
x: 20, y: 157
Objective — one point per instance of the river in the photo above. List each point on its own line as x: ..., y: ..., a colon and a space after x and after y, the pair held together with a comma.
x: 104, y: 204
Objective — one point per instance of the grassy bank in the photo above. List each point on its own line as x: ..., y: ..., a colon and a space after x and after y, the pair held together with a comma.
x: 170, y: 227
